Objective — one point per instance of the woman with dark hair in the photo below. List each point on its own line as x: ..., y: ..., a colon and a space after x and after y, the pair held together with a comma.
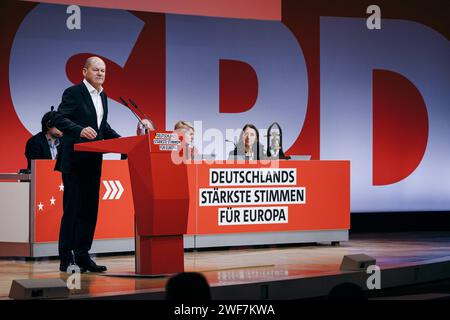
x: 248, y: 147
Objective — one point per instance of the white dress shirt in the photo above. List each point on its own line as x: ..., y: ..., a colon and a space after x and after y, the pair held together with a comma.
x: 97, y: 100
x: 53, y: 146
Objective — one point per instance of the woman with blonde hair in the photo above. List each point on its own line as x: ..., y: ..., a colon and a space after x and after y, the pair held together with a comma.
x: 186, y: 129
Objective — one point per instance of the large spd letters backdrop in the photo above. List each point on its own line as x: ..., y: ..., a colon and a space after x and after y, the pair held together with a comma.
x: 377, y: 97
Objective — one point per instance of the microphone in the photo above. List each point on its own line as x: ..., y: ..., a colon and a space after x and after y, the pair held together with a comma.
x: 51, y: 121
x: 137, y: 117
x: 141, y: 112
x: 231, y: 142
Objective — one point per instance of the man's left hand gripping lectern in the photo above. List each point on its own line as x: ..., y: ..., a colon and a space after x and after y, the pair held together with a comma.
x: 161, y: 199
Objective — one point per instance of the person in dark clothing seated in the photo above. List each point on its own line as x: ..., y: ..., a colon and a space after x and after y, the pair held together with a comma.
x: 45, y: 144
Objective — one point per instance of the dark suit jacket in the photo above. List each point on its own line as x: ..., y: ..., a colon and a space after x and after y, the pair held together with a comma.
x: 76, y: 112
x: 37, y: 148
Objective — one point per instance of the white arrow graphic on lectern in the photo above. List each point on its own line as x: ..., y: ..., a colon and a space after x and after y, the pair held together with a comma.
x: 108, y: 190
x: 119, y: 185
x: 114, y: 190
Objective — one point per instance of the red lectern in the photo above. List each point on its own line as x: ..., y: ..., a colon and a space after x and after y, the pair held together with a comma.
x: 160, y: 195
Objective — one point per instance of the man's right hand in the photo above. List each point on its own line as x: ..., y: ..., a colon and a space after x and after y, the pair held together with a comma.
x: 88, y: 133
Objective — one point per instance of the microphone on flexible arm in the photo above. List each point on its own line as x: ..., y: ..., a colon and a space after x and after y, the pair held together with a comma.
x: 235, y: 147
x: 141, y: 112
x: 137, y: 117
x: 231, y: 142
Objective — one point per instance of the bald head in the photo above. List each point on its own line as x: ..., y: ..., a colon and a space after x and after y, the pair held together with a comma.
x: 92, y: 60
x: 94, y: 71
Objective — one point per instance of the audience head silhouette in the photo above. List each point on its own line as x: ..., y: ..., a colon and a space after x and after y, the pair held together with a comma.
x: 188, y: 286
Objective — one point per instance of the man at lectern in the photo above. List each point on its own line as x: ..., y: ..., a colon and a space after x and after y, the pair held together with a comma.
x: 82, y: 116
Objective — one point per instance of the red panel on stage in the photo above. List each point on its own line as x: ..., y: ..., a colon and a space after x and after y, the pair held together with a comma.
x: 160, y: 195
x: 115, y: 215
x: 157, y: 260
x: 326, y: 207
x: 327, y: 204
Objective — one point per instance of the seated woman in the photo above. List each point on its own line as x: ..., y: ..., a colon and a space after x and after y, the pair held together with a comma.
x: 186, y: 129
x: 248, y: 147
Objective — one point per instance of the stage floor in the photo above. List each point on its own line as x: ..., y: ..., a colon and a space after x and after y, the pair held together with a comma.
x: 239, y: 266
